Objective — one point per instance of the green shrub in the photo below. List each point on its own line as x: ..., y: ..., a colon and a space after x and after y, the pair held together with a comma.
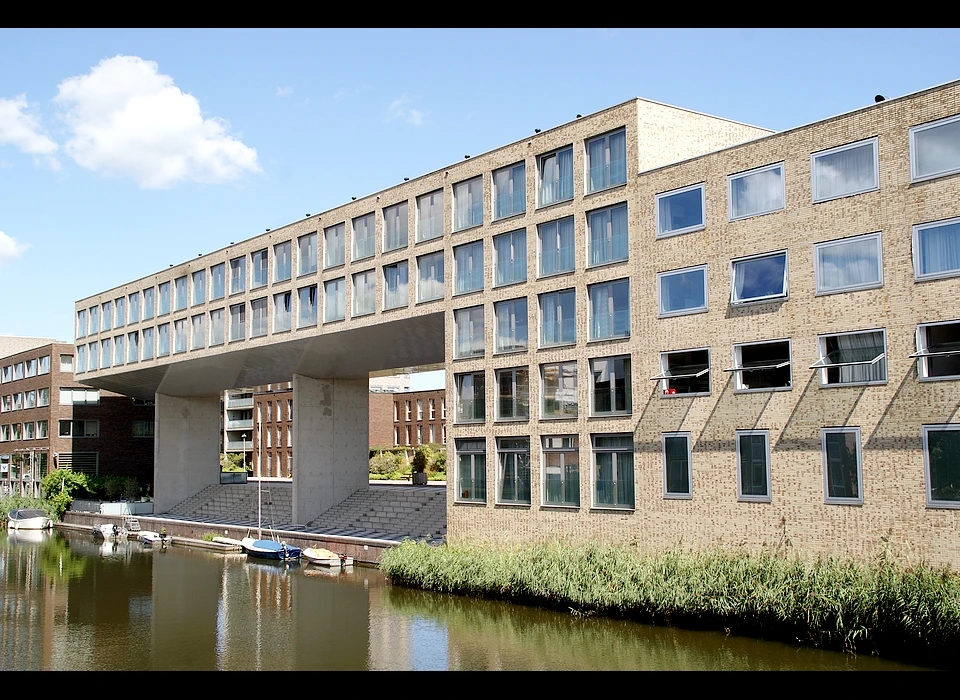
x: 420, y: 459
x: 385, y: 462
x: 208, y: 536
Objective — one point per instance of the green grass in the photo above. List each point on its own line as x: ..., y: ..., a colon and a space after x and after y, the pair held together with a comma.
x: 911, y: 613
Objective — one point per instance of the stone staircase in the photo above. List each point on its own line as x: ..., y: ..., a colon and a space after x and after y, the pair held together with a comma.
x: 409, y: 510
x: 237, y: 504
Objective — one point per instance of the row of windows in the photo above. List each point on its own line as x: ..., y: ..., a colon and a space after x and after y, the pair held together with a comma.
x: 25, y: 369
x: 67, y: 428
x: 432, y: 407
x: 25, y: 399
x: 612, y: 468
x: 407, y: 437
x: 32, y: 430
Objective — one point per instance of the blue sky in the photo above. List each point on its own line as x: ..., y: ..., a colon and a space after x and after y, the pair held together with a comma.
x: 123, y: 151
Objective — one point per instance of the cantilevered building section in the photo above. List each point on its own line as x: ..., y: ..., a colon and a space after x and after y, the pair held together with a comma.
x: 657, y: 326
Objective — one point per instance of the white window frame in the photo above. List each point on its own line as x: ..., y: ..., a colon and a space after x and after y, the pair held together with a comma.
x: 928, y: 484
x: 785, y: 294
x: 543, y: 394
x: 839, y: 149
x: 458, y: 494
x: 544, y: 451
x: 756, y: 171
x: 664, y: 377
x: 914, y: 130
x: 820, y: 290
x: 590, y: 325
x: 738, y: 369
x: 754, y: 498
x: 837, y: 500
x: 822, y: 364
x: 688, y: 495
x: 686, y: 229
x: 508, y: 306
x: 923, y: 353
x: 683, y: 312
x: 458, y: 418
x: 917, y: 229
x: 516, y: 451
x: 628, y: 386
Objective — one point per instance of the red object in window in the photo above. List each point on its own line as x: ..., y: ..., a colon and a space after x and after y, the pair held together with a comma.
x: 671, y: 390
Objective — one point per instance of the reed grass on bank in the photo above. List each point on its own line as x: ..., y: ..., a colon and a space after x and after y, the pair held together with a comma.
x: 880, y: 607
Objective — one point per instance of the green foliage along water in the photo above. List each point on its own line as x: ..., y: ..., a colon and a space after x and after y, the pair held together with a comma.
x: 884, y: 608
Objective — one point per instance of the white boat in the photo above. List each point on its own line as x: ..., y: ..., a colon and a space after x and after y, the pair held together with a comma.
x: 28, y: 519
x: 149, y: 538
x: 108, y: 531
x: 324, y: 557
x: 268, y: 549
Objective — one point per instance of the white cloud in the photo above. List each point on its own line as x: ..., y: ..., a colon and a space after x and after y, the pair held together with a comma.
x: 9, y: 248
x: 22, y: 129
x: 400, y: 109
x: 128, y: 119
x: 285, y: 91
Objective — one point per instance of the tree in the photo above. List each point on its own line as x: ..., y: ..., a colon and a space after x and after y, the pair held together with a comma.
x: 60, y: 487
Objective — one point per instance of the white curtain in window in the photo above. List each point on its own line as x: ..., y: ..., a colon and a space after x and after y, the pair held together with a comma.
x: 845, y: 172
x: 602, y: 311
x: 938, y: 149
x: 939, y: 249
x: 849, y: 264
x: 550, y: 313
x: 757, y: 193
x: 858, y: 347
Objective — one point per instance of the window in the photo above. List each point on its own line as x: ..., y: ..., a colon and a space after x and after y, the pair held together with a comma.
x: 470, y: 397
x: 395, y: 285
x: 282, y: 303
x: 848, y: 264
x: 66, y: 363
x: 238, y: 275
x: 753, y: 465
x: 43, y: 396
x: 470, y: 337
x: 509, y: 191
x: 682, y: 291
x: 756, y: 192
x: 468, y: 204
x: 217, y: 281
x: 556, y: 247
x: 94, y: 312
x: 514, y: 470
x: 238, y: 322
x: 845, y: 170
x: 281, y: 262
x: 609, y: 310
x: 558, y: 318
x: 307, y: 253
x: 119, y: 354
x: 148, y: 343
x: 430, y: 276
x: 841, y: 465
x: 561, y: 471
x: 107, y: 315
x: 334, y: 242
x: 364, y: 292
x: 30, y: 399
x: 199, y: 287
x: 42, y: 429
x: 18, y: 371
x: 936, y: 249
x: 430, y: 216
x: 468, y: 267
x: 258, y: 269
x: 334, y: 300
x: 308, y: 306
x: 81, y: 323
x: 80, y: 428
x: 419, y: 409
x: 555, y: 171
x: 607, y: 235
x: 395, y: 227
x: 758, y: 278
x: 133, y: 304
x: 680, y: 211
x: 607, y: 161
x: 852, y: 358
x: 933, y: 149
x: 941, y: 465
x: 79, y: 396
x: 471, y: 470
x: 938, y: 350
x: 677, y: 472
x: 164, y: 299
x: 4, y: 436
x: 180, y: 293
x: 143, y: 428
x: 613, y: 457
x: 611, y: 390
x: 559, y: 390
x: 513, y: 398
x: 198, y: 335
x: 407, y: 414
x: 30, y: 368
x: 761, y: 366
x: 217, y: 327
x: 7, y: 375
x: 364, y: 236
x: 510, y: 257
x: 43, y: 365
x: 163, y: 340
x: 7, y: 404
x: 511, y: 325
x: 258, y: 317
x: 684, y: 372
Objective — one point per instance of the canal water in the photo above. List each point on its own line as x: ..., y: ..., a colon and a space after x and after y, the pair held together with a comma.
x: 71, y: 603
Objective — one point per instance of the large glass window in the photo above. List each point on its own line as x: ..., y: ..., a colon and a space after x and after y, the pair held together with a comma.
x: 941, y: 461
x: 558, y: 324
x: 852, y: 358
x: 845, y: 170
x: 511, y: 325
x: 198, y: 332
x: 258, y: 317
x: 470, y: 397
x: 556, y: 247
x: 238, y: 322
x: 364, y: 292
x: 756, y: 192
x: 841, y: 465
x: 148, y: 343
x: 179, y: 336
x: 94, y: 352
x: 259, y: 269
x: 559, y: 390
x: 607, y: 161
x: 217, y: 327
x: 936, y: 249
x: 471, y: 470
x: 364, y: 236
x: 395, y: 292
x: 470, y: 337
x: 94, y: 312
x: 934, y: 149
x: 509, y: 191
x: 762, y: 366
x: 430, y: 216
x: 395, y: 226
x: 238, y: 275
x: 561, y: 470
x: 510, y: 253
x: 133, y: 346
x: 555, y: 171
x: 682, y: 291
x: 163, y: 340
x: 199, y: 287
x: 938, y: 350
x: 107, y: 315
x: 81, y: 323
x: 180, y: 293
x: 120, y: 309
x: 513, y: 394
x: 684, y: 372
x: 468, y: 267
x: 514, y: 470
x: 307, y: 315
x: 133, y: 304
x: 282, y: 262
x: 753, y: 465
x: 607, y: 235
x: 609, y: 310
x: 613, y: 459
x: 282, y: 311
x: 677, y: 470
x: 848, y: 264
x: 681, y: 211
x: 307, y: 253
x: 612, y: 391
x: 759, y: 278
x: 334, y: 242
x: 430, y: 276
x: 468, y: 204
x: 334, y: 300
x: 218, y: 282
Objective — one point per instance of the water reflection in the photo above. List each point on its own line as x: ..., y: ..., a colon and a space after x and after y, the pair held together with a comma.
x: 69, y: 602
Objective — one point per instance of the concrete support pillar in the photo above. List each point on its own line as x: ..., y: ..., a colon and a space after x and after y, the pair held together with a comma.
x: 186, y: 448
x: 330, y: 443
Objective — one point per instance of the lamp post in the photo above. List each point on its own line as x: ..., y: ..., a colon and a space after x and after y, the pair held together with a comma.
x: 243, y: 438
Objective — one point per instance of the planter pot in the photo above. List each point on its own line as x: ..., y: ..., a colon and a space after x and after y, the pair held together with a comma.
x: 419, y: 478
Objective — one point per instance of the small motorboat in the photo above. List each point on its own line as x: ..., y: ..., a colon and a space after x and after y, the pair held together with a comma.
x: 324, y: 557
x: 148, y: 538
x: 28, y: 519
x: 107, y: 531
x: 268, y: 549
